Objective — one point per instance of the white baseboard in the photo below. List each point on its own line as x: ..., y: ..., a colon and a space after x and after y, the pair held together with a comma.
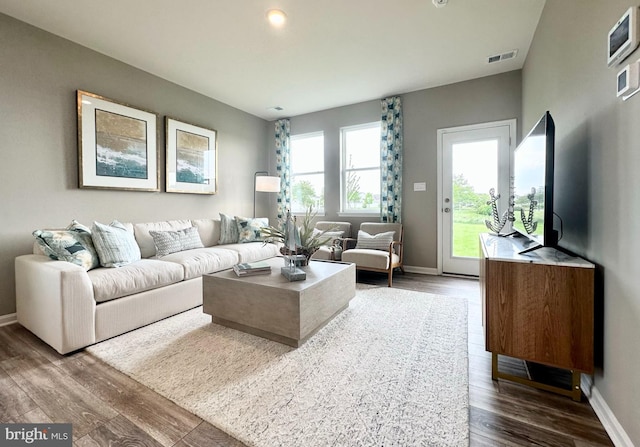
x: 609, y: 421
x: 8, y: 319
x: 420, y: 270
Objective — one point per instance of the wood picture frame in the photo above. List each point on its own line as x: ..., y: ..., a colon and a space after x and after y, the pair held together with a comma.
x: 117, y: 145
x: 191, y: 158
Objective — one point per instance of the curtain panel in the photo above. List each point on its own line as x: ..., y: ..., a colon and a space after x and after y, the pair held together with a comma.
x: 391, y: 160
x: 283, y: 165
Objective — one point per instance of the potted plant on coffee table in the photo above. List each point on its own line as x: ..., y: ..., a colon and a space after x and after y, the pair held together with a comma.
x: 307, y: 238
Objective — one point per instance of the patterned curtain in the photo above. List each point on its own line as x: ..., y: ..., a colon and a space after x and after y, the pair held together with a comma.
x: 391, y: 160
x: 283, y: 165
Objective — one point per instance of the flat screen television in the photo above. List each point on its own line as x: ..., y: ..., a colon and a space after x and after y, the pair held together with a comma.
x: 533, y: 185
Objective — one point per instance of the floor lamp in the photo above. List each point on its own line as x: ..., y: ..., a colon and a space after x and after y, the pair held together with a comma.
x: 263, y: 182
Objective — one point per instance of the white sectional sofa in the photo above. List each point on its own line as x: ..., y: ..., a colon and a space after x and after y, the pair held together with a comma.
x: 70, y: 308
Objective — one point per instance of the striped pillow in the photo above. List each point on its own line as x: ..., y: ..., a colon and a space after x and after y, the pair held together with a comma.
x: 380, y: 241
x: 115, y: 245
x: 168, y: 242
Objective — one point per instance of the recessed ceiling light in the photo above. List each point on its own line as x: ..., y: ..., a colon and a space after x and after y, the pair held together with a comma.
x: 276, y: 17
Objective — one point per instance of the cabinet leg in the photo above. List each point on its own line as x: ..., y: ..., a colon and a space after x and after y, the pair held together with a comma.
x: 494, y: 366
x: 576, y: 392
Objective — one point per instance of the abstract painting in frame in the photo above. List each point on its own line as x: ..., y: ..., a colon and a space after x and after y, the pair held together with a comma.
x: 192, y: 153
x: 117, y: 145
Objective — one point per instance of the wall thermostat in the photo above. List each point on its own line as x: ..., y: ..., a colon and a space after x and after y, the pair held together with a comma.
x: 628, y: 79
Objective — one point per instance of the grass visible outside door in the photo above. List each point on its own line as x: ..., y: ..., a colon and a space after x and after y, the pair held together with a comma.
x: 467, y: 225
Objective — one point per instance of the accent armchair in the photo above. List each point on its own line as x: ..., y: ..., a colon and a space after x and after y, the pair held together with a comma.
x: 337, y: 231
x: 378, y: 248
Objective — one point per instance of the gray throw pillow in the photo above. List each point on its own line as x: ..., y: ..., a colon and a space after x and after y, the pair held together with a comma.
x: 168, y: 242
x: 228, y: 230
x: 116, y: 246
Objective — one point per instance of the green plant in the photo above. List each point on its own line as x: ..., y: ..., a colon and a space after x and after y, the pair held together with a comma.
x: 307, y: 240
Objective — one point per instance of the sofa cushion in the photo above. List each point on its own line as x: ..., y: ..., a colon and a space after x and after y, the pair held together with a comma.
x: 145, y: 274
x: 250, y: 229
x: 72, y: 245
x: 228, y: 230
x: 199, y: 261
x: 209, y: 230
x: 254, y: 251
x: 145, y: 240
x: 168, y: 242
x: 116, y: 246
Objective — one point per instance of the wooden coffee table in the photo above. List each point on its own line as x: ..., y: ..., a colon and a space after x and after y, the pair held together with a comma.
x: 272, y: 307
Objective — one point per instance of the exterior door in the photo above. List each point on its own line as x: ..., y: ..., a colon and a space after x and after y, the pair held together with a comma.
x: 473, y: 159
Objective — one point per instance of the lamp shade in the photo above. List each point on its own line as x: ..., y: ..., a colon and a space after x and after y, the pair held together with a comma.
x: 265, y: 183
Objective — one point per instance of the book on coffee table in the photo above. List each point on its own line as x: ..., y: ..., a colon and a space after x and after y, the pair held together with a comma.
x: 252, y: 268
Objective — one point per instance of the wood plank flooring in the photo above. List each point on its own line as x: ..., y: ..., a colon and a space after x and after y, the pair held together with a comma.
x: 108, y: 408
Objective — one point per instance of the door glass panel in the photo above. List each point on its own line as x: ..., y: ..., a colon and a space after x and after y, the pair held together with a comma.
x: 475, y: 172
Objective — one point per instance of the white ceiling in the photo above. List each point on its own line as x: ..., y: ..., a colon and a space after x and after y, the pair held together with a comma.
x: 330, y: 52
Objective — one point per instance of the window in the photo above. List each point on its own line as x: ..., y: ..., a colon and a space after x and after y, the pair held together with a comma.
x: 307, y: 172
x: 360, y: 176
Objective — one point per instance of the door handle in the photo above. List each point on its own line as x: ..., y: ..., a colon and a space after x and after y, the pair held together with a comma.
x: 446, y: 210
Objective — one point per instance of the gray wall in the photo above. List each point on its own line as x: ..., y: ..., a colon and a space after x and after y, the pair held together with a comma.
x: 597, y: 180
x: 492, y: 98
x: 38, y: 171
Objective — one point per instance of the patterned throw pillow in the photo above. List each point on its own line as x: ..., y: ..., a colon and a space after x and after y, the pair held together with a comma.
x: 380, y: 241
x: 168, y: 242
x: 115, y: 245
x: 72, y: 245
x: 228, y: 230
x: 249, y: 230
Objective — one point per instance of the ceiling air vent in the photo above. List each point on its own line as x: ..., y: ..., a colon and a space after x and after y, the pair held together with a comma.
x: 502, y: 57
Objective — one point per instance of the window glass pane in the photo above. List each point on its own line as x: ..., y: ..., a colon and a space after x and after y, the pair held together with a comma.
x: 307, y: 154
x: 475, y: 172
x: 362, y: 191
x: 362, y: 147
x: 307, y: 190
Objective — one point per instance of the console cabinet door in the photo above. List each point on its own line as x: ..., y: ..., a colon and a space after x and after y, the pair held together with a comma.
x: 540, y: 313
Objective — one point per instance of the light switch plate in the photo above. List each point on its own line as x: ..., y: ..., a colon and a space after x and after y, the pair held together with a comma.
x: 420, y: 186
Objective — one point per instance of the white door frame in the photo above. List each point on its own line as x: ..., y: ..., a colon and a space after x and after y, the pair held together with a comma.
x: 441, y: 132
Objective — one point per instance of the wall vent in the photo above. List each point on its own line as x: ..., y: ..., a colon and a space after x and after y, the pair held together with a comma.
x: 502, y: 57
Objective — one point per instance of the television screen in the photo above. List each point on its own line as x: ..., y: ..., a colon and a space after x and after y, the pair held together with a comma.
x: 533, y: 183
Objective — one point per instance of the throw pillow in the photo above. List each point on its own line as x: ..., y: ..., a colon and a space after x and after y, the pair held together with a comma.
x: 168, y: 242
x: 380, y: 241
x: 249, y: 230
x: 72, y: 245
x: 115, y: 245
x: 328, y: 236
x: 228, y: 230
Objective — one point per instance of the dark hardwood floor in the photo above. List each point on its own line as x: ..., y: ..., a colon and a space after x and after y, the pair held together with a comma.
x: 107, y: 408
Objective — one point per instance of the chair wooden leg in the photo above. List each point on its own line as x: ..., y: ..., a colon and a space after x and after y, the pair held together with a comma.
x: 390, y: 277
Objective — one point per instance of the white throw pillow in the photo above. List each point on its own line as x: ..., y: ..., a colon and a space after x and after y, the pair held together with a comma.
x: 168, y: 242
x: 116, y: 246
x: 380, y: 241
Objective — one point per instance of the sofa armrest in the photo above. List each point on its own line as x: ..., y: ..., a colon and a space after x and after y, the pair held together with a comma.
x: 54, y: 300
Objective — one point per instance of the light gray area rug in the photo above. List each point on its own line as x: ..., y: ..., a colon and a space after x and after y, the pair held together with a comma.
x: 391, y: 370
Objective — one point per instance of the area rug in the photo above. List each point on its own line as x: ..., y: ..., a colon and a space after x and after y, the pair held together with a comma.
x: 390, y: 370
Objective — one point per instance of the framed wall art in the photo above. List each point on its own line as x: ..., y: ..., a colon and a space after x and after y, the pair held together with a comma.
x: 117, y: 145
x: 192, y: 158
